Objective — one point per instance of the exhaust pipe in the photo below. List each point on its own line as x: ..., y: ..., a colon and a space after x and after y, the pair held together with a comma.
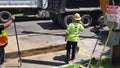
x: 5, y: 16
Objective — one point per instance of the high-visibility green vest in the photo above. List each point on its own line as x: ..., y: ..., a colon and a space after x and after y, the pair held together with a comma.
x: 73, y: 31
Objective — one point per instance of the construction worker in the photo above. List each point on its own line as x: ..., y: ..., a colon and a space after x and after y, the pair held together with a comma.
x: 72, y: 33
x: 4, y: 39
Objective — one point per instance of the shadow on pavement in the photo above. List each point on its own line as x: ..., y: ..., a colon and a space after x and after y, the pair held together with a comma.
x: 84, y: 37
x: 50, y: 26
x: 42, y: 62
x: 32, y: 32
x: 60, y: 58
x: 103, y: 36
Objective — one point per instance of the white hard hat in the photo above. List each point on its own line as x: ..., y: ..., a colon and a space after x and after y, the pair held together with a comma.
x: 77, y: 16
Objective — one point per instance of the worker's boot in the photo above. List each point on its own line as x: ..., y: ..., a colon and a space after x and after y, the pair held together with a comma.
x: 67, y: 61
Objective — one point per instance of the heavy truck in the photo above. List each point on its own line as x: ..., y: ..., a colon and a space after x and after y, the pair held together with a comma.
x: 62, y: 11
x: 27, y: 8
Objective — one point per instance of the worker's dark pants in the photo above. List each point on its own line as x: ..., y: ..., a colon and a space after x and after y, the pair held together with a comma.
x: 70, y: 45
x: 2, y: 54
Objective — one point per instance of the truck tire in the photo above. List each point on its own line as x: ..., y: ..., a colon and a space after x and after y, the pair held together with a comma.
x: 5, y: 16
x: 67, y: 20
x: 87, y: 20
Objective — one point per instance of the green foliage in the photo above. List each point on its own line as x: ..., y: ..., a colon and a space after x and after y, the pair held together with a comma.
x: 71, y: 66
x: 105, y: 63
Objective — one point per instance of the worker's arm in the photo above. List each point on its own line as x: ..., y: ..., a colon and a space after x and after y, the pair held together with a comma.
x: 7, y: 24
x: 67, y: 31
x: 66, y: 35
x: 81, y: 22
x: 1, y: 27
x: 81, y: 27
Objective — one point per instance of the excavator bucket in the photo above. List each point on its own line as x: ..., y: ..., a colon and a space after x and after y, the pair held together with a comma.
x: 103, y: 5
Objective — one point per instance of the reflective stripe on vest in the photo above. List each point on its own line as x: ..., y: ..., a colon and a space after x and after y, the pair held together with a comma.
x: 3, y: 38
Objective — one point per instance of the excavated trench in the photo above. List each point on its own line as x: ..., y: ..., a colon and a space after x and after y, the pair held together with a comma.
x: 36, y: 51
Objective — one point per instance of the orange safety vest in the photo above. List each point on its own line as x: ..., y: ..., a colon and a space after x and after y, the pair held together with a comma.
x: 3, y: 38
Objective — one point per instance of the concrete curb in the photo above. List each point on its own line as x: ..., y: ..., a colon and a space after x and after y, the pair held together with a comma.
x: 30, y: 52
